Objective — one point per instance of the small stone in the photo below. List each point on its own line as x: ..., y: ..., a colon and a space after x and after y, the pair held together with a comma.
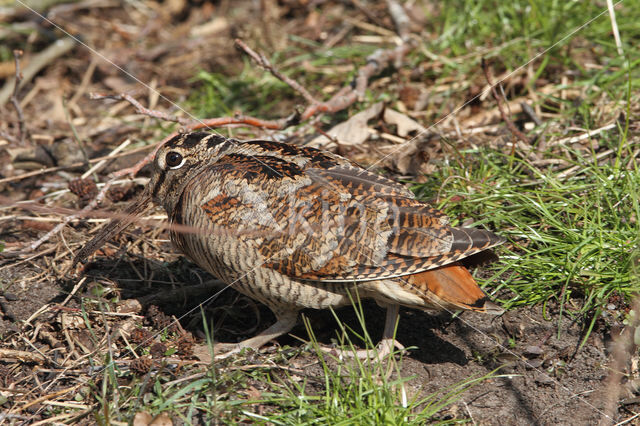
x: 533, y: 350
x: 534, y: 363
x: 10, y: 297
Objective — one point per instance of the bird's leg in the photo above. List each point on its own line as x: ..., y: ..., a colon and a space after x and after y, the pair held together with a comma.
x: 388, y: 341
x: 284, y: 324
x: 385, y: 346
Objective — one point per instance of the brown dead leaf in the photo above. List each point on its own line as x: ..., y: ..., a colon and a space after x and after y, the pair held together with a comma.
x: 253, y: 393
x: 143, y: 418
x: 404, y: 123
x: 72, y: 321
x: 354, y: 131
x: 412, y: 157
x: 202, y: 352
x: 129, y: 306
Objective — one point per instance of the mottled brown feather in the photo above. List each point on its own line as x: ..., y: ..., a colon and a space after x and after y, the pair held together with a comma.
x: 295, y: 227
x: 341, y: 223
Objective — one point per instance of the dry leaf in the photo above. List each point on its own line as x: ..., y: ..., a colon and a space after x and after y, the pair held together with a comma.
x: 214, y: 26
x: 129, y: 306
x: 143, y: 418
x: 354, y: 131
x: 412, y: 157
x: 202, y: 352
x: 404, y: 123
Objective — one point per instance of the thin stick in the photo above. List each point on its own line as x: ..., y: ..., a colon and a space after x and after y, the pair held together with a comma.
x: 23, y: 356
x: 92, y: 205
x: 514, y: 130
x: 614, y: 27
x: 400, y: 19
x: 22, y: 133
x: 140, y: 109
x: 101, y: 163
x: 37, y: 62
x: 264, y: 63
x: 49, y: 396
x: 345, y: 97
x: 74, y: 165
x: 583, y: 136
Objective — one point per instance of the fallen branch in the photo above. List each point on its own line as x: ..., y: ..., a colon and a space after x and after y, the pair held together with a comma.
x: 23, y: 356
x: 89, y: 207
x: 399, y: 18
x: 140, y: 109
x: 345, y: 97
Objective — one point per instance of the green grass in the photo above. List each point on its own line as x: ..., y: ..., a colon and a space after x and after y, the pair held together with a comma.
x: 349, y: 391
x: 251, y: 92
x: 514, y: 32
x: 573, y: 236
x: 358, y: 391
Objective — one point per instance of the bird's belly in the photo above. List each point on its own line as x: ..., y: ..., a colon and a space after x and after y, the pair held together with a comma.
x: 240, y: 266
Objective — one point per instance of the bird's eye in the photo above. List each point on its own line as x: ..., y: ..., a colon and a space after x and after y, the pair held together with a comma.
x: 174, y: 160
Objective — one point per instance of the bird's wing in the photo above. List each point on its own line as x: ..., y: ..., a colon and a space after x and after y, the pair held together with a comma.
x: 331, y: 221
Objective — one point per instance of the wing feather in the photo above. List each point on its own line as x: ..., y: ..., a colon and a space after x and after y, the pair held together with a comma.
x: 330, y: 220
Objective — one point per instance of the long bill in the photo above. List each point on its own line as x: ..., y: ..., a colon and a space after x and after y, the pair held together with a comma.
x: 115, y: 226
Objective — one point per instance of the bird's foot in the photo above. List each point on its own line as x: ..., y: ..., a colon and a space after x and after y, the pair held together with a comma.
x: 225, y: 350
x: 382, y: 351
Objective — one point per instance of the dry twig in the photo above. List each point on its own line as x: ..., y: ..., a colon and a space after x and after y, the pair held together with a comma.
x: 514, y: 130
x: 22, y: 133
x: 345, y: 97
x: 89, y: 207
x: 23, y: 356
x: 140, y: 109
x: 400, y: 19
x: 264, y: 63
x: 111, y: 156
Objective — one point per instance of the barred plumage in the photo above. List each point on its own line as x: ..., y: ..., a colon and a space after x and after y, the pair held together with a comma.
x: 297, y: 227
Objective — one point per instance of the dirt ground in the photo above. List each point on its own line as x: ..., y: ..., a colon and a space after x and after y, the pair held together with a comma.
x: 547, y: 377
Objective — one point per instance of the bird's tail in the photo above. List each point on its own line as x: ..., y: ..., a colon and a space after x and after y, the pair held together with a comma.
x: 452, y: 287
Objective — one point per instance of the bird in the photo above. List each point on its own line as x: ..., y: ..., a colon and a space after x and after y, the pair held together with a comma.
x: 296, y: 227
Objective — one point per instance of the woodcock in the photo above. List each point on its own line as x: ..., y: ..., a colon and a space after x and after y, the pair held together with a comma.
x: 296, y: 227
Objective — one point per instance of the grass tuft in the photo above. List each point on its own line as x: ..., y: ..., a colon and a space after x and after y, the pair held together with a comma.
x: 571, y: 234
